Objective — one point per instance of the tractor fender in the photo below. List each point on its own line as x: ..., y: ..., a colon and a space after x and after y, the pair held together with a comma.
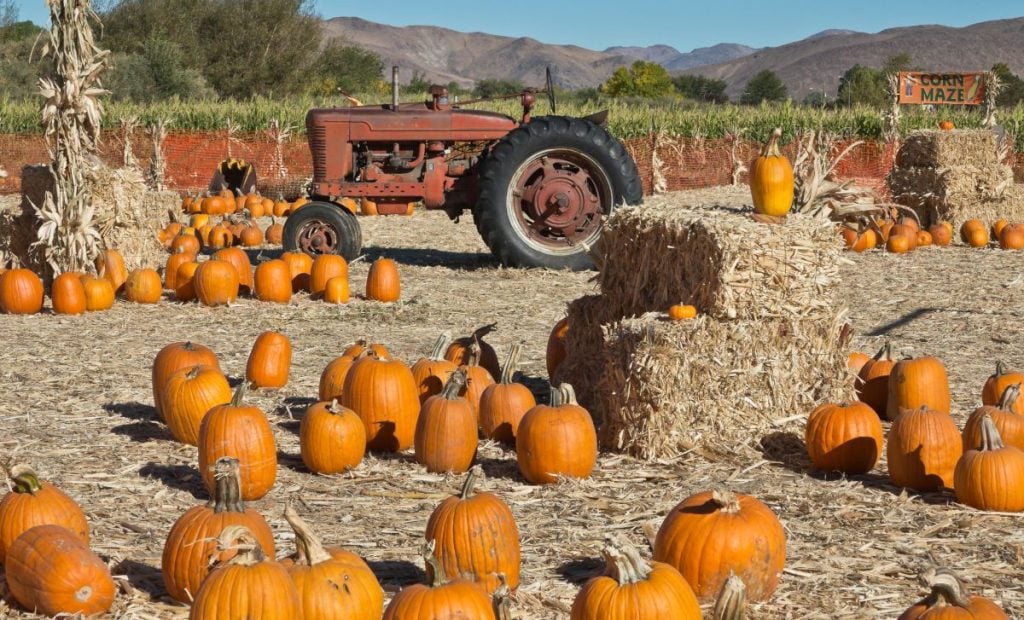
x: 348, y: 204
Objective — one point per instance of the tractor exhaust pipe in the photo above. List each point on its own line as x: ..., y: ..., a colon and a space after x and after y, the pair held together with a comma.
x: 394, y: 87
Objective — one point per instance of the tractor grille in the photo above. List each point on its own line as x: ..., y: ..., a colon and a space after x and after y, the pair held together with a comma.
x: 318, y: 147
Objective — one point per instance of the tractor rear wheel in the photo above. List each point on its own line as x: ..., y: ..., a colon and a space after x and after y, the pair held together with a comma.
x: 323, y: 228
x: 546, y: 189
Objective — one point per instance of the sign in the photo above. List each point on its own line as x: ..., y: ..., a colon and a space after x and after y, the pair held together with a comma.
x: 920, y: 88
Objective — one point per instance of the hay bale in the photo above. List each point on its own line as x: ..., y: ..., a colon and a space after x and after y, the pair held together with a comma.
x: 127, y: 217
x: 718, y: 259
x: 958, y: 193
x: 945, y: 149
x: 671, y: 386
x: 584, y: 342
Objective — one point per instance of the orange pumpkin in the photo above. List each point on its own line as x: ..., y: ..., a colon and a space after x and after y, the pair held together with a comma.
x: 873, y: 380
x: 273, y: 282
x: 1009, y: 423
x: 503, y: 404
x: 914, y: 383
x: 845, y: 437
x: 275, y: 232
x: 446, y: 437
x: 174, y: 261
x: 997, y: 227
x: 21, y: 292
x: 941, y: 235
x: 995, y: 387
x: 898, y: 244
x: 188, y: 394
x: 1011, y: 237
x: 946, y: 125
x: 300, y: 265
x: 555, y: 353
x: 856, y: 360
x: 243, y: 267
x: 99, y: 293
x: 186, y: 243
x: 281, y: 207
x: 460, y: 350
x: 143, y: 286
x: 240, y: 432
x: 336, y: 290
x: 173, y: 358
x: 922, y: 449
x: 680, y: 312
x: 382, y: 283
x: 215, y: 283
x: 384, y: 395
x: 185, y: 289
x: 443, y: 598
x: 32, y: 502
x: 68, y: 294
x: 269, y: 361
x: 988, y: 476
x: 362, y: 346
x: 924, y: 238
x: 217, y: 237
x: 110, y: 265
x: 251, y: 235
x: 325, y: 267
x: 332, y: 379
x: 477, y: 381
x: 432, y: 372
x: 949, y: 600
x: 556, y: 440
x: 771, y: 180
x: 332, y: 439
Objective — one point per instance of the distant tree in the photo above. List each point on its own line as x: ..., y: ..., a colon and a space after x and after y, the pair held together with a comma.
x: 346, y: 67
x: 418, y: 84
x: 1011, y: 90
x: 642, y: 79
x: 160, y: 71
x: 489, y: 87
x: 765, y: 86
x: 815, y: 99
x: 862, y: 85
x: 21, y: 68
x: 8, y: 13
x: 456, y: 90
x: 701, y: 88
x: 897, y: 63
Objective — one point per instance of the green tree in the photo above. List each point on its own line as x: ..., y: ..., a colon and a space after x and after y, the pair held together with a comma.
x: 815, y: 99
x: 862, y: 85
x: 490, y: 87
x: 642, y: 79
x: 701, y: 88
x: 897, y: 63
x: 347, y: 67
x: 418, y: 84
x: 1011, y: 90
x: 765, y: 86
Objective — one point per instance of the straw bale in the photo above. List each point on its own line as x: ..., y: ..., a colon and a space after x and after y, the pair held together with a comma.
x: 944, y: 149
x: 584, y: 342
x: 958, y: 193
x: 125, y: 217
x: 718, y: 259
x: 673, y: 386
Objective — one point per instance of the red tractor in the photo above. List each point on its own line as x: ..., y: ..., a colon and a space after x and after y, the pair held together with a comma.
x: 539, y: 188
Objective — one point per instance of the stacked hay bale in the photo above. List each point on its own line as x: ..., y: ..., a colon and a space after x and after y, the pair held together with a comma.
x: 768, y: 344
x: 955, y: 176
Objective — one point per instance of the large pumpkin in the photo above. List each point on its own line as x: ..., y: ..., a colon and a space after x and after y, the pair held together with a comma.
x: 269, y: 361
x: 631, y: 588
x: 188, y: 394
x: 143, y: 286
x: 476, y: 536
x: 383, y: 393
x: 192, y: 539
x: 243, y: 433
x: 99, y: 293
x: 332, y: 439
x: 173, y: 358
x: 174, y: 261
x: 32, y: 502
x: 336, y: 291
x: 845, y: 437
x: 771, y: 180
x: 460, y: 349
x: 503, y: 404
x: 273, y: 282
x: 443, y: 598
x: 995, y: 386
x: 923, y: 449
x: 325, y: 267
x: 556, y: 440
x: 873, y: 380
x: 709, y: 535
x: 916, y: 383
x: 300, y: 265
x: 382, y: 282
x: 446, y: 437
x: 21, y: 292
x: 333, y: 584
x: 243, y: 267
x: 215, y: 283
x: 110, y: 265
x: 555, y: 353
x: 184, y: 285
x: 948, y: 600
x: 68, y: 294
x: 1009, y: 424
x: 432, y: 372
x: 991, y: 476
x: 50, y: 570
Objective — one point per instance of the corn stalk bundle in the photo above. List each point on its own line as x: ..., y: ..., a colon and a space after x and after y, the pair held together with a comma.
x: 660, y: 184
x: 279, y: 134
x: 128, y: 126
x: 157, y: 131
x: 992, y: 88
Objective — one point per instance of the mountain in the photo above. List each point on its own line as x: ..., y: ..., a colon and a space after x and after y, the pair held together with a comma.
x: 723, y: 52
x: 653, y: 53
x: 817, y: 62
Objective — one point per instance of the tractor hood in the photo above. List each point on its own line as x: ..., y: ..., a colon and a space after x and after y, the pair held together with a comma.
x: 409, y: 123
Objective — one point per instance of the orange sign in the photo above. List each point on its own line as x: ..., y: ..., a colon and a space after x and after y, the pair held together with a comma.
x: 942, y: 88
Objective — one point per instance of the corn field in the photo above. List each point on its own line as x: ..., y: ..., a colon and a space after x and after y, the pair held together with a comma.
x: 627, y: 119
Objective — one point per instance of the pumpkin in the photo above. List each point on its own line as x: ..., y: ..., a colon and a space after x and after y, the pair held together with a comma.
x: 333, y: 584
x: 21, y: 292
x: 503, y: 404
x: 995, y: 387
x: 477, y: 380
x: 914, y: 383
x: 898, y: 244
x: 1009, y: 423
x: 240, y: 260
x: 1012, y: 237
x: 332, y: 379
x: 50, y: 570
x: 110, y: 265
x: 275, y: 232
x: 186, y: 243
x: 251, y: 235
x: 884, y: 228
x: 248, y: 585
x: 332, y: 439
x: 941, y: 235
x: 174, y: 261
x: 99, y: 293
x: 866, y: 240
x: 968, y: 226
x: 949, y: 600
x: 848, y: 234
x: 362, y: 346
x: 199, y: 220
x: 856, y: 360
x: 214, y: 205
x: 185, y: 289
x: 300, y: 265
x: 771, y: 180
x: 679, y: 312
x: 367, y: 207
x: 654, y: 591
x: 281, y: 207
x: 709, y: 535
x: 461, y: 348
x: 273, y: 282
x: 336, y: 290
x: 845, y: 437
x: 382, y: 283
x: 924, y: 238
x: 384, y: 395
x: 32, y: 502
x: 173, y: 358
x: 446, y: 438
x: 215, y: 283
x: 873, y: 380
x: 556, y: 440
x: 269, y: 361
x: 299, y: 202
x: 991, y: 475
x: 458, y: 598
x: 923, y: 449
x: 218, y: 237
x: 476, y: 536
x: 997, y: 227
x: 67, y: 294
x: 240, y: 432
x: 188, y: 394
x: 555, y: 353
x: 325, y: 267
x: 977, y: 238
x: 946, y: 125
x: 431, y: 372
x: 191, y: 541
x: 143, y: 286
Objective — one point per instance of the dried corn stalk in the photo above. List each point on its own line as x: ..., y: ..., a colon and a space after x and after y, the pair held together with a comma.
x: 157, y: 166
x: 818, y: 192
x: 738, y: 165
x: 128, y: 126
x: 660, y: 184
x: 71, y: 117
x: 992, y: 88
x: 279, y: 135
x: 892, y: 118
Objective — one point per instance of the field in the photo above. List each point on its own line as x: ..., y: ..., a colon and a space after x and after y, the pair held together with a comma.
x: 77, y: 404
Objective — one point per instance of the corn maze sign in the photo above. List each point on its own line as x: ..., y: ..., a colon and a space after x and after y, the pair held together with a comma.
x: 942, y: 88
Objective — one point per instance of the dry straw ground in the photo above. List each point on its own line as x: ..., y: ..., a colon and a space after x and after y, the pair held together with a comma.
x: 75, y: 402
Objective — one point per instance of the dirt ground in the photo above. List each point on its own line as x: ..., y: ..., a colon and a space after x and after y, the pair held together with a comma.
x: 76, y: 402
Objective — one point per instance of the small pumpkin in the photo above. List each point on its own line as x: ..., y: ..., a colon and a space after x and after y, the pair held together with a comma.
x: 174, y: 261
x: 188, y: 394
x: 362, y: 346
x: 978, y: 238
x: 1009, y: 423
x: 184, y: 285
x: 281, y: 207
x: 446, y: 437
x: 300, y: 265
x: 218, y: 237
x: 845, y: 437
x: 923, y: 448
x: 273, y: 282
x: 555, y: 353
x: 384, y: 395
x: 873, y: 380
x: 866, y: 240
x: 110, y: 265
x: 32, y: 502
x: 332, y: 379
x: 67, y: 294
x: 173, y: 358
x: 240, y: 432
x: 325, y: 267
x: 332, y: 439
x: 143, y: 286
x: 995, y: 387
x: 382, y: 282
x: 924, y: 238
x: 215, y: 283
x: 991, y: 475
x: 21, y: 292
x: 503, y: 404
x: 1012, y: 237
x: 240, y: 260
x: 461, y: 348
x: 336, y: 290
x: 556, y: 440
x: 856, y: 360
x: 186, y: 243
x: 431, y: 372
x: 713, y: 534
x: 99, y: 293
x: 771, y: 179
x: 941, y: 234
x: 899, y: 244
x: 269, y: 361
x: 948, y: 599
x: 443, y: 598
x: 251, y: 235
x: 997, y: 228
x: 477, y: 380
x: 918, y: 382
x: 275, y: 232
x: 680, y: 312
x: 946, y: 125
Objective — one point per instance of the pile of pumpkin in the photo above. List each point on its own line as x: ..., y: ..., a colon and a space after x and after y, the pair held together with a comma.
x: 904, y: 234
x: 983, y: 464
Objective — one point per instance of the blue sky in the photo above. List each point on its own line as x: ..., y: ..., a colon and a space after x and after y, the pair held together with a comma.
x: 598, y: 24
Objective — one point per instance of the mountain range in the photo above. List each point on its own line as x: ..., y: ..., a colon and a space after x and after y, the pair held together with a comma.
x: 811, y: 64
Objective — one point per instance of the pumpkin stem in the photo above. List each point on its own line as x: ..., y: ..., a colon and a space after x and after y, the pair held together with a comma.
x: 508, y: 371
x: 433, y: 564
x: 623, y: 562
x: 467, y: 486
x: 480, y: 332
x: 454, y: 386
x: 238, y: 538
x: 309, y: 551
x: 501, y: 601
x: 1009, y: 397
x: 946, y: 589
x: 568, y: 394
x: 1000, y: 369
x: 227, y: 494
x: 240, y: 391
x: 772, y: 148
x: 194, y: 371
x: 885, y: 353
x: 732, y: 599
x: 474, y: 353
x: 726, y: 500
x: 440, y: 346
x: 990, y: 439
x: 25, y: 479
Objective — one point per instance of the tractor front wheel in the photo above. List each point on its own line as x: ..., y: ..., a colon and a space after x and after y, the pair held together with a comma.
x: 546, y: 189
x: 323, y: 228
